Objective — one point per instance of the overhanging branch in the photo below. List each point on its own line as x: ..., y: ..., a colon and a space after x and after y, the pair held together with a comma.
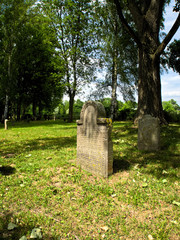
x: 168, y: 37
x: 125, y: 24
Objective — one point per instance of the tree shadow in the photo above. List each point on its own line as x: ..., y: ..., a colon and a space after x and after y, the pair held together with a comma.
x: 7, y: 170
x: 127, y: 155
x: 7, y: 217
x: 39, y: 144
x: 120, y: 165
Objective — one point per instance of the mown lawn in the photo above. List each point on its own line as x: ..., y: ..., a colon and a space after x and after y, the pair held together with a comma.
x: 41, y: 186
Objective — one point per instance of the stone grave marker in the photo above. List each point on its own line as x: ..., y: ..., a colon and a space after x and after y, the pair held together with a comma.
x: 94, y: 144
x: 6, y: 124
x: 148, y: 133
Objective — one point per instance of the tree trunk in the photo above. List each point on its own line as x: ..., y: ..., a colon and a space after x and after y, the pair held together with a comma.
x: 6, y: 106
x: 149, y: 87
x: 72, y: 90
x: 114, y: 88
x: 18, y: 110
x: 40, y: 110
x: 34, y: 110
x: 114, y: 73
x: 71, y: 105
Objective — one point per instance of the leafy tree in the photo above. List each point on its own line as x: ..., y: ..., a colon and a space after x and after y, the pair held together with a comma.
x: 171, y: 110
x: 127, y: 110
x: 171, y: 105
x: 121, y: 58
x: 147, y: 19
x: 73, y: 23
x: 173, y: 56
x: 31, y: 70
x: 12, y: 16
x: 107, y: 105
x: 118, y: 54
x: 40, y: 74
x: 78, y: 104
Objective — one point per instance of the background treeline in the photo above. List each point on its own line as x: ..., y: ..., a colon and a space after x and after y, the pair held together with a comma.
x: 31, y: 70
x: 126, y: 110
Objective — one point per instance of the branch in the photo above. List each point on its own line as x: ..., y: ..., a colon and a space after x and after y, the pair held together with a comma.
x: 168, y: 37
x: 136, y: 13
x: 155, y: 11
x: 125, y: 24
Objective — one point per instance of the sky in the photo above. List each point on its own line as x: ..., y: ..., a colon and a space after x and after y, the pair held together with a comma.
x: 170, y: 81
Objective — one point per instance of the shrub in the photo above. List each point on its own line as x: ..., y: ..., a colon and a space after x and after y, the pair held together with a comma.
x: 127, y: 111
x: 171, y: 111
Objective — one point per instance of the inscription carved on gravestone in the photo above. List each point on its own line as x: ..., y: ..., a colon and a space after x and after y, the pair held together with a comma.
x: 148, y: 133
x: 94, y: 144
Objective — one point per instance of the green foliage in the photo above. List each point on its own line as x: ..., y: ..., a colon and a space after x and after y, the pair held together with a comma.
x: 73, y: 24
x: 177, y: 6
x: 35, y: 70
x: 127, y: 111
x: 107, y: 105
x: 171, y: 111
x: 174, y: 55
x: 118, y: 54
x: 78, y: 104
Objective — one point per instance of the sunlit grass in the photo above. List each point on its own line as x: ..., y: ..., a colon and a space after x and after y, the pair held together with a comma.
x: 41, y: 186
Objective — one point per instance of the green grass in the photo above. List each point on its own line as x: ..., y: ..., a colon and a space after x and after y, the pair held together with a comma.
x: 41, y: 186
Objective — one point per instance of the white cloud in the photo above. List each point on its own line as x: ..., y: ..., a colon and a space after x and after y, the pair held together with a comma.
x: 171, y: 86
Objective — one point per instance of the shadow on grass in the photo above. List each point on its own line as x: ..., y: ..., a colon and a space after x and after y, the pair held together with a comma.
x: 7, y: 170
x: 19, y: 231
x: 39, y: 144
x: 126, y: 154
x: 120, y: 165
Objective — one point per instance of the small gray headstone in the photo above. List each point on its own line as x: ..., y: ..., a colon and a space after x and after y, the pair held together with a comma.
x: 148, y: 133
x: 94, y: 144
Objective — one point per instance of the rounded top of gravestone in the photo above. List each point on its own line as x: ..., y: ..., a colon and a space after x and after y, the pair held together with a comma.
x: 96, y: 108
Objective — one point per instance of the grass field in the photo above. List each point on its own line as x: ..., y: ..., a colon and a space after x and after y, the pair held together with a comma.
x: 41, y: 186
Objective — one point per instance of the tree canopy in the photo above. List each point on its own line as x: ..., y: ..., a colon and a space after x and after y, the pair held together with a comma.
x: 173, y: 56
x: 147, y: 18
x: 51, y: 47
x: 31, y: 71
x: 74, y: 27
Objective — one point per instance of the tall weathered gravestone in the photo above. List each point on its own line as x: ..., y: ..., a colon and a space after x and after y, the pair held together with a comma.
x: 94, y: 144
x: 148, y: 133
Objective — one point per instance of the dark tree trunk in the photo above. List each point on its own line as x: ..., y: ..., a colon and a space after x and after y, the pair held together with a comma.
x: 149, y: 87
x: 40, y: 110
x: 34, y: 110
x: 71, y: 105
x: 114, y: 88
x: 6, y: 107
x: 18, y: 110
x: 72, y: 89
